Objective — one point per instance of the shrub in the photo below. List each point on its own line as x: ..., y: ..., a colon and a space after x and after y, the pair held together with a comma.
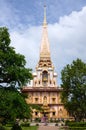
x: 77, y: 128
x: 51, y: 120
x: 16, y: 127
x: 57, y: 121
x: 2, y: 128
x: 67, y: 122
x: 37, y: 120
x: 26, y: 124
x: 76, y: 124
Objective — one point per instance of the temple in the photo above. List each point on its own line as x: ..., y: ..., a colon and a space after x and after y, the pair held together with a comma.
x: 44, y: 90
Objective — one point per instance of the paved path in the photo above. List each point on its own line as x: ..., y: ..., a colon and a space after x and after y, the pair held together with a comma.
x: 48, y: 128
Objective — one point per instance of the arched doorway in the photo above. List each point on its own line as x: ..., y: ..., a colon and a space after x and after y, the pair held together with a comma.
x: 44, y: 78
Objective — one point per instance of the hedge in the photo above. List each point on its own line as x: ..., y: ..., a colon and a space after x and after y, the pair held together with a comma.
x: 76, y: 124
x: 77, y: 128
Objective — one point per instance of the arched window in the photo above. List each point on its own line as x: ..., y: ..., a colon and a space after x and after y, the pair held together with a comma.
x: 36, y: 113
x: 45, y: 98
x: 45, y: 78
x: 45, y: 65
x: 54, y: 113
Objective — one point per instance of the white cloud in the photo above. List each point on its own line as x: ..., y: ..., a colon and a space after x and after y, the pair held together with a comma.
x: 27, y: 42
x: 67, y: 40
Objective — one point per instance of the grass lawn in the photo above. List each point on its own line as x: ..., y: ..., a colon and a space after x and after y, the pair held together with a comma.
x: 30, y: 128
x: 24, y: 128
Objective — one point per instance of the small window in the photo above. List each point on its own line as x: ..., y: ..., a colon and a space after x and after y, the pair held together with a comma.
x: 53, y: 113
x: 45, y: 65
x: 53, y: 99
x: 36, y: 113
x: 36, y: 99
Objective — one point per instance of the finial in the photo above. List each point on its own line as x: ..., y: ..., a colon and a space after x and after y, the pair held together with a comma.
x: 45, y: 22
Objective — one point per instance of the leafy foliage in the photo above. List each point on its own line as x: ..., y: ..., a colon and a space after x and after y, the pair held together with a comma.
x: 13, y: 105
x: 12, y: 65
x: 16, y: 127
x: 74, y: 89
x: 2, y: 127
x: 13, y: 74
x: 76, y: 124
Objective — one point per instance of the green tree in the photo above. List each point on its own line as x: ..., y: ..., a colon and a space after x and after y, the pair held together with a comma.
x: 74, y: 89
x: 12, y: 74
x: 12, y: 65
x: 13, y: 105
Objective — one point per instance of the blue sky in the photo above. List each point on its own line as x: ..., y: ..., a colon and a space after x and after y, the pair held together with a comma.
x: 30, y: 12
x: 66, y: 29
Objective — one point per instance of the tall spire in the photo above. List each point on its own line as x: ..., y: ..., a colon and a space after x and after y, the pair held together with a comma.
x: 45, y: 49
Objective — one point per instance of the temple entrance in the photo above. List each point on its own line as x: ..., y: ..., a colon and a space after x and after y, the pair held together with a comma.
x: 44, y: 118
